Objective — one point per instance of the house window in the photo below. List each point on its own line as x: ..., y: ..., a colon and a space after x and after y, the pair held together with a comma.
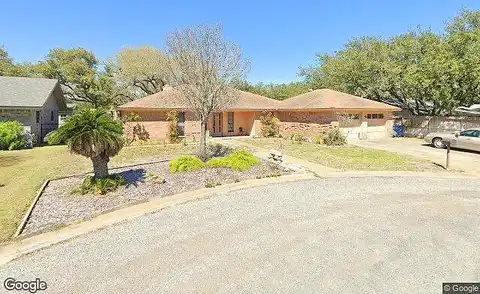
x: 352, y: 116
x: 37, y: 116
x: 374, y: 116
x: 230, y: 122
x: 181, y: 124
x: 51, y: 115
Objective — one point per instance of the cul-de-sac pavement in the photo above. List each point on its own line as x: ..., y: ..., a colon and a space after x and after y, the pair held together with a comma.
x: 337, y: 235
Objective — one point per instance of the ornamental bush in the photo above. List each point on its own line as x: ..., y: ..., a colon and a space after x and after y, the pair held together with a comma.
x: 296, y: 137
x: 172, y: 135
x: 335, y: 138
x: 102, y: 186
x: 12, y: 136
x: 270, y: 127
x: 239, y: 160
x: 185, y: 163
x: 319, y: 139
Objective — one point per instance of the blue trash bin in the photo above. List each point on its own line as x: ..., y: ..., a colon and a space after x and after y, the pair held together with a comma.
x: 398, y: 130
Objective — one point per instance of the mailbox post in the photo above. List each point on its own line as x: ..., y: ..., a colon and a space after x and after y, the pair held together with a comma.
x: 447, y: 163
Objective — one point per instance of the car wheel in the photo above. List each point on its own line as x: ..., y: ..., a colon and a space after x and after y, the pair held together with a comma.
x: 437, y: 143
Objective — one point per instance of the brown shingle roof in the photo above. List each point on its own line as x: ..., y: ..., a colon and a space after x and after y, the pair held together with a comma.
x: 330, y: 99
x: 169, y: 98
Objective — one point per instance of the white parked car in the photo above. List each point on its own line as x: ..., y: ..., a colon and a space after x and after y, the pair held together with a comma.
x: 468, y: 139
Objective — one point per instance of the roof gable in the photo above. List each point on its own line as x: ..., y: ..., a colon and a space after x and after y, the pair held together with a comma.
x: 25, y: 92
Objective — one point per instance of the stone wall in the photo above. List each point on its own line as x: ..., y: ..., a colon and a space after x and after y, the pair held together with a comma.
x: 305, y: 129
x: 317, y: 117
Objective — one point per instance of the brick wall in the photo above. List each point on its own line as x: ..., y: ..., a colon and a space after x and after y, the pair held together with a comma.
x: 157, y: 130
x: 192, y: 127
x: 156, y: 124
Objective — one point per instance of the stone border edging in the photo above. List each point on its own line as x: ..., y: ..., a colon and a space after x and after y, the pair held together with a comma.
x: 20, y: 247
x: 28, y: 213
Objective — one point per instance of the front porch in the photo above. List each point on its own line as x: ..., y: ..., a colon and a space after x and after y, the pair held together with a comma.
x: 232, y: 123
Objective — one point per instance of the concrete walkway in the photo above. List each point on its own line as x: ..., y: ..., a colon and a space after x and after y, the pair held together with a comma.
x: 316, y: 168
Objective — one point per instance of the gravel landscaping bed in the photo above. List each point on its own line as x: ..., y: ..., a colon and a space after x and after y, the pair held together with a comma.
x: 57, y: 206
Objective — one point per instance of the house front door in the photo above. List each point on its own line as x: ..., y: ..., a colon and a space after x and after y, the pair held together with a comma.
x: 217, y: 124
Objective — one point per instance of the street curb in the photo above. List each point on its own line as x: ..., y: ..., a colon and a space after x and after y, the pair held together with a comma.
x: 21, y: 247
x: 392, y: 174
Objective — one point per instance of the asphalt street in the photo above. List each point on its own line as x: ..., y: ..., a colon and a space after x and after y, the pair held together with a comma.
x: 339, y: 235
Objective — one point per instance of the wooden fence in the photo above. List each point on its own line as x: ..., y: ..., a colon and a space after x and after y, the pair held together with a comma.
x: 420, y: 126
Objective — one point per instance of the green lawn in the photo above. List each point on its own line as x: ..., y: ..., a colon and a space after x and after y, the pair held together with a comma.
x: 348, y: 157
x: 22, y: 173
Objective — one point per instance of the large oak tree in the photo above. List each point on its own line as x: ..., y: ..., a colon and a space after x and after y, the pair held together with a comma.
x: 141, y: 69
x: 421, y: 71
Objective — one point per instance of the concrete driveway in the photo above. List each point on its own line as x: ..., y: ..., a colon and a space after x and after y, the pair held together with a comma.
x: 468, y: 161
x: 342, y: 235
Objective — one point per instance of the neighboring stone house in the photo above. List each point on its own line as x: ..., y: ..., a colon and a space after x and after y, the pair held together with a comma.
x: 34, y: 102
x: 308, y: 114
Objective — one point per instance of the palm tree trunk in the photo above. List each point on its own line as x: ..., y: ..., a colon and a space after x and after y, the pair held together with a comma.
x: 100, y: 166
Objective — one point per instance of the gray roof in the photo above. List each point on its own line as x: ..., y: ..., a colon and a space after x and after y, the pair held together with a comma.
x: 25, y: 92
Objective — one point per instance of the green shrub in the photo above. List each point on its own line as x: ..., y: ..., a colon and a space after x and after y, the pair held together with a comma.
x: 185, y: 163
x: 90, y: 185
x: 270, y: 127
x: 335, y: 138
x: 297, y: 137
x: 319, y: 139
x: 172, y: 134
x: 239, y: 160
x: 11, y: 136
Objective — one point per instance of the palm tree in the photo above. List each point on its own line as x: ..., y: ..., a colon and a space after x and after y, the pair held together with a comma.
x: 92, y: 133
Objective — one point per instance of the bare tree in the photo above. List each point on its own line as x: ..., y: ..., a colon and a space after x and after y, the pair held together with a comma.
x: 205, y: 68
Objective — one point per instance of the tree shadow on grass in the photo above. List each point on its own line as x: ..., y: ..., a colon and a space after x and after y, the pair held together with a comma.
x: 9, y: 160
x: 133, y: 176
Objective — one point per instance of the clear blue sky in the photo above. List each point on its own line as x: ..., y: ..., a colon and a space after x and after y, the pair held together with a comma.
x: 277, y: 36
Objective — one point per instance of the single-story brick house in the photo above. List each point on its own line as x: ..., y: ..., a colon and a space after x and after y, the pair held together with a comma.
x: 309, y: 114
x: 34, y: 102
